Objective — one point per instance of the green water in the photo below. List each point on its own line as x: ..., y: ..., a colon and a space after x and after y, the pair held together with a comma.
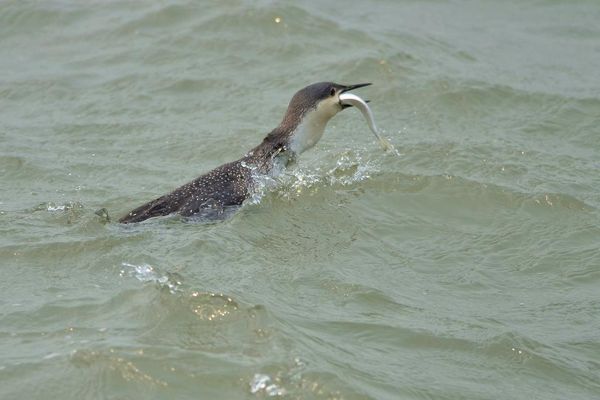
x: 465, y: 267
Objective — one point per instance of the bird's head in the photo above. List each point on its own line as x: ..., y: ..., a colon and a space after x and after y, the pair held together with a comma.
x: 309, y: 111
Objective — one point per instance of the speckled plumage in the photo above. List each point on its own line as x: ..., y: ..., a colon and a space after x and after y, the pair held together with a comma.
x: 231, y: 183
x: 225, y: 186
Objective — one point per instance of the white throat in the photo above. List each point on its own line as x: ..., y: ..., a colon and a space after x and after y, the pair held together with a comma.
x: 311, y: 128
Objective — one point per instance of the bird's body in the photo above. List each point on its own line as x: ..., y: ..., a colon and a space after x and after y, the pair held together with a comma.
x: 225, y: 186
x: 232, y: 183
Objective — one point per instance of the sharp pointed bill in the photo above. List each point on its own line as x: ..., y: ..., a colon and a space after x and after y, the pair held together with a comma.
x: 352, y: 87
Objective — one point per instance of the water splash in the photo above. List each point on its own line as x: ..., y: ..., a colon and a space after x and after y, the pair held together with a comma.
x: 263, y: 183
x: 53, y: 207
x: 348, y: 169
x: 288, y: 380
x: 264, y: 383
x: 147, y: 273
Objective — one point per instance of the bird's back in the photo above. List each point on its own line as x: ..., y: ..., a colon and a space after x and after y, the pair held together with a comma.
x: 227, y: 185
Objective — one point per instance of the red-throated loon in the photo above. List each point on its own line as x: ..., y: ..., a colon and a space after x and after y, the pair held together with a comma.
x: 230, y: 184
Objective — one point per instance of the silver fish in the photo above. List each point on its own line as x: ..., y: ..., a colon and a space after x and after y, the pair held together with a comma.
x: 354, y: 100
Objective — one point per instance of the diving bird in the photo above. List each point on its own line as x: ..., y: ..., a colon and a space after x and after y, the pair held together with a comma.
x: 230, y: 184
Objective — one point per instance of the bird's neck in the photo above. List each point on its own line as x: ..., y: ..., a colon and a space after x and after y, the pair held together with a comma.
x: 295, y: 134
x: 308, y: 132
x: 272, y: 154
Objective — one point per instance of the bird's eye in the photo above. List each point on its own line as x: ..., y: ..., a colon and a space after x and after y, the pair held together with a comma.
x: 332, y: 92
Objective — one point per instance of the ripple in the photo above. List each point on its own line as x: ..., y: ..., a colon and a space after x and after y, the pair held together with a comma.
x: 113, y: 363
x: 16, y: 19
x: 203, y: 321
x: 295, y: 379
x: 207, y: 306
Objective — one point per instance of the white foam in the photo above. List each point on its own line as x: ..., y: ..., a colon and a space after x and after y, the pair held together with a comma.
x: 263, y: 383
x: 147, y: 273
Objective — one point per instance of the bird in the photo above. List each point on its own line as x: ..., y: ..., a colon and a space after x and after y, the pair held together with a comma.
x: 228, y: 185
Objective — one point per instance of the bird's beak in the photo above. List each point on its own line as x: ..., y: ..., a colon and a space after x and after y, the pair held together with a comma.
x: 351, y: 87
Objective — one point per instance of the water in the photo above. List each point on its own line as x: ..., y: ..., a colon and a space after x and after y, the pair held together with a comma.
x: 466, y: 267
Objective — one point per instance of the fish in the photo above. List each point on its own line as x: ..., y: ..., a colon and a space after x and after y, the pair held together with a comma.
x: 355, y: 101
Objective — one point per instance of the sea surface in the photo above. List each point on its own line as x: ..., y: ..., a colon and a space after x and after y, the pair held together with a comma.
x: 464, y: 265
